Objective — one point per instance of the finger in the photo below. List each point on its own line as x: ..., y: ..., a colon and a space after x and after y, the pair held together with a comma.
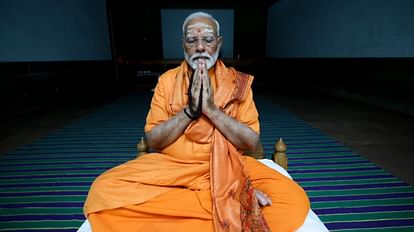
x: 206, y: 79
x: 195, y: 89
x: 262, y: 198
x: 205, y: 73
x: 196, y: 79
x: 206, y: 86
x: 261, y: 201
x: 267, y: 198
x: 266, y: 201
x: 201, y: 67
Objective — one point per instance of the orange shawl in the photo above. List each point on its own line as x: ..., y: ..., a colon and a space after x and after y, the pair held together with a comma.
x: 235, y: 207
x: 137, y: 181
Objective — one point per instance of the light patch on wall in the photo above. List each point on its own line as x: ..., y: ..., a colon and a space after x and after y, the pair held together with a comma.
x: 50, y: 30
x: 172, y: 34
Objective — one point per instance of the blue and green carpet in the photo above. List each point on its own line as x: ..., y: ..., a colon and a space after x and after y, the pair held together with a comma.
x: 43, y: 184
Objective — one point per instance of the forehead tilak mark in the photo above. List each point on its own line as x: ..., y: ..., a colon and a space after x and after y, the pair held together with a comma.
x: 200, y: 28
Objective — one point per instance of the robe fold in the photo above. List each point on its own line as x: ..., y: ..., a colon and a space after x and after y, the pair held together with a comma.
x: 201, y: 181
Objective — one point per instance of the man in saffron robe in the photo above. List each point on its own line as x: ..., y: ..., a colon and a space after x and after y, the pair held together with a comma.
x: 202, y: 117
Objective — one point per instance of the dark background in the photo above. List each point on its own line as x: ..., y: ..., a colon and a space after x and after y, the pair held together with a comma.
x: 96, y: 50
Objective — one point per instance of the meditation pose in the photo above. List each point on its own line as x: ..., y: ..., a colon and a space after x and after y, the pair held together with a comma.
x: 201, y: 120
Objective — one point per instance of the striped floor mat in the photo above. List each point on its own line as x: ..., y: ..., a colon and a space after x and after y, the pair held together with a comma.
x: 43, y: 184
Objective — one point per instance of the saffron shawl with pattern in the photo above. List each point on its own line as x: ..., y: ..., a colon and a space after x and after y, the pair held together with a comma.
x: 235, y: 207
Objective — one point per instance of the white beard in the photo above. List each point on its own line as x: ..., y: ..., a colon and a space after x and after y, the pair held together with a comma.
x: 210, y: 60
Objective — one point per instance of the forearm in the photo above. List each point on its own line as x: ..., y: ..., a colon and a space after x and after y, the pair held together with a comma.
x: 167, y: 132
x: 238, y: 134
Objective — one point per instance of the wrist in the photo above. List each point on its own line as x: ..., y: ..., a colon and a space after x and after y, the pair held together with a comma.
x: 211, y: 112
x: 190, y: 115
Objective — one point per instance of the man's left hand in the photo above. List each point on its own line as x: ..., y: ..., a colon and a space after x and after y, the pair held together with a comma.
x: 262, y: 198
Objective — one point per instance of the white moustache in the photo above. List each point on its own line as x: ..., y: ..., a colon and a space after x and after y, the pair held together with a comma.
x: 198, y: 56
x: 210, y: 60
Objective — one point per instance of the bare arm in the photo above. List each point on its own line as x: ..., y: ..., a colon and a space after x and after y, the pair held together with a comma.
x: 168, y: 131
x: 237, y: 133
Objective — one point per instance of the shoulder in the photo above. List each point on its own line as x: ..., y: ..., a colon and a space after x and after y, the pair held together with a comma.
x: 240, y: 77
x: 244, y: 76
x: 243, y: 83
x: 169, y: 74
x: 244, y: 80
x: 167, y: 79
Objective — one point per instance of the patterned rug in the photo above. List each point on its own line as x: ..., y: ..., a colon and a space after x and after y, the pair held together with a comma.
x: 43, y: 184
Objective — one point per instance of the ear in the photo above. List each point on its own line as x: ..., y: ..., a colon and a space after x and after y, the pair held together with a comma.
x: 185, y: 48
x: 220, y: 40
x: 182, y: 43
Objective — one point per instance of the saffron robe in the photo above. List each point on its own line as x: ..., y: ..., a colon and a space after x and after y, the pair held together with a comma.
x: 173, y: 190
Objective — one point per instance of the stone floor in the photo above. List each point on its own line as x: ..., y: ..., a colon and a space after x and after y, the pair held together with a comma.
x: 24, y: 128
x: 384, y: 137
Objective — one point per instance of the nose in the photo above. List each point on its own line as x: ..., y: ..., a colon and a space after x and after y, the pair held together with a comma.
x: 200, y: 46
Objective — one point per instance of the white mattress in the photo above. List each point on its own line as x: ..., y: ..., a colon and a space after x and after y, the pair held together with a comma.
x: 312, y: 222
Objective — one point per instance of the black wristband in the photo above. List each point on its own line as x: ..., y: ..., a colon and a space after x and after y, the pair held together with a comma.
x: 189, y: 115
x: 195, y: 114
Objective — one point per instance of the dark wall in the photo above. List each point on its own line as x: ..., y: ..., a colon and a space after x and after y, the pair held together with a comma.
x: 361, y: 50
x: 337, y: 28
x: 136, y: 30
x: 49, y: 30
x: 32, y: 86
x: 250, y: 31
x: 53, y: 53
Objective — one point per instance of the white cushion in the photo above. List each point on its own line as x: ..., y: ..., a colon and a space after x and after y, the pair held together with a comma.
x: 312, y: 222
